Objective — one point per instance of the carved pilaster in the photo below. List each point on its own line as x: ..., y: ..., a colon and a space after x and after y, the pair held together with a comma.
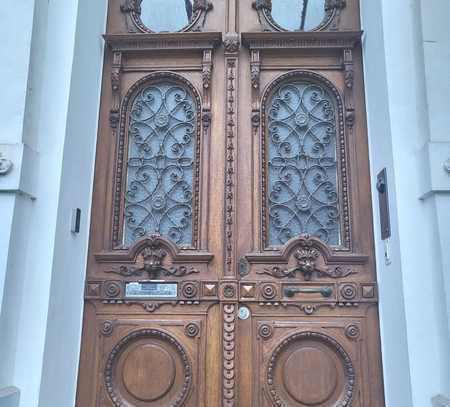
x: 231, y: 69
x: 115, y: 87
x: 349, y: 82
x: 255, y: 72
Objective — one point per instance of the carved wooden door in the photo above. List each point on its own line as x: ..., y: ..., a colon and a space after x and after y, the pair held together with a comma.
x: 231, y: 258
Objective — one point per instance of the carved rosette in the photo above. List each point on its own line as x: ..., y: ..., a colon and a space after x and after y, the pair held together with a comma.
x: 265, y: 331
x: 352, y: 332
x: 283, y: 389
x: 192, y: 329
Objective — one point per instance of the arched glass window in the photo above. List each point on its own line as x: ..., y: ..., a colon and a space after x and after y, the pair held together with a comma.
x: 162, y: 137
x: 301, y: 163
x: 299, y: 15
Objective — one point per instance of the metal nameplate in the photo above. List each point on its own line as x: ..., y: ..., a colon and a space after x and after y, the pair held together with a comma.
x: 151, y: 290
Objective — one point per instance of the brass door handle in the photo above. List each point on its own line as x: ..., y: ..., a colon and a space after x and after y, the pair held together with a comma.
x: 324, y: 291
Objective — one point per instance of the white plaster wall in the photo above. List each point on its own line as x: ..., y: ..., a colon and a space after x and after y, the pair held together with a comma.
x: 40, y: 326
x: 436, y: 49
x: 395, y: 81
x: 396, y: 366
x: 63, y: 337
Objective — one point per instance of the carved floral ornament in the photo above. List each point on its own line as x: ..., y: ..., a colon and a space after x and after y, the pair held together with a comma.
x: 196, y: 11
x: 155, y: 257
x: 310, y: 260
x: 329, y: 20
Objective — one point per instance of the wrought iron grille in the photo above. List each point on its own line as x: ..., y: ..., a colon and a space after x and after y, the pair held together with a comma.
x: 160, y: 165
x: 302, y: 164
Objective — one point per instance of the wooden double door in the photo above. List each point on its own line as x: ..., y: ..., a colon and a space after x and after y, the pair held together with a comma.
x: 231, y: 257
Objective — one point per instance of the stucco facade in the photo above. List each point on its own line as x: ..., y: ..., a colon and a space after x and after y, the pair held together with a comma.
x: 50, y: 81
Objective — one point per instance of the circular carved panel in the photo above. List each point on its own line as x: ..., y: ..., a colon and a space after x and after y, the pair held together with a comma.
x: 312, y: 369
x: 148, y: 372
x: 148, y: 368
x: 310, y: 376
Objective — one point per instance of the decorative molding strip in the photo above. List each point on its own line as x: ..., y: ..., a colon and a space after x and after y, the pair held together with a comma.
x: 230, y: 177
x: 301, y: 40
x: 229, y: 353
x: 163, y: 41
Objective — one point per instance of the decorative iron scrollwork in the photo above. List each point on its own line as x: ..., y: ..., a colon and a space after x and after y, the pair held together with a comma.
x: 161, y: 160
x: 302, y: 163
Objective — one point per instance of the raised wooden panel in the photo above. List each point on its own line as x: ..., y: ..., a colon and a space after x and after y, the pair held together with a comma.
x: 301, y: 363
x: 150, y: 361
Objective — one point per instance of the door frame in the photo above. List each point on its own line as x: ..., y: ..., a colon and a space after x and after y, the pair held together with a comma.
x: 397, y: 384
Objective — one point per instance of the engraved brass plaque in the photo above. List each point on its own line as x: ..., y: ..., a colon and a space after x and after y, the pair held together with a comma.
x: 151, y: 290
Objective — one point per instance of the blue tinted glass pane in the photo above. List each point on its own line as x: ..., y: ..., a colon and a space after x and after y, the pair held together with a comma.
x: 298, y: 15
x: 160, y: 164
x: 302, y: 168
x: 166, y: 15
